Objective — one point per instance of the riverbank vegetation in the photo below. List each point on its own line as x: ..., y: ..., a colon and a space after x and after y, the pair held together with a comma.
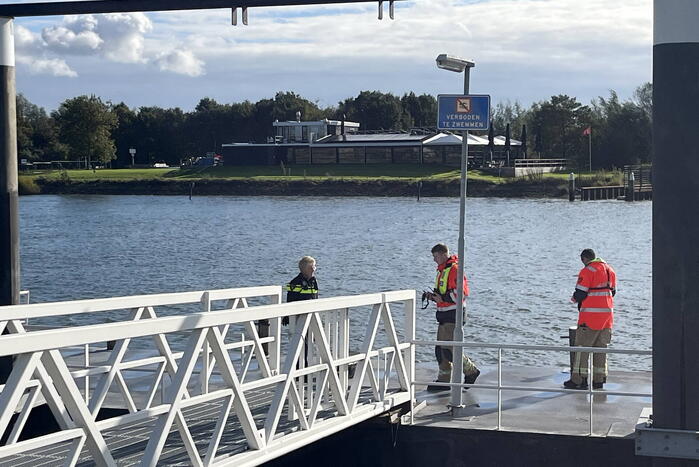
x: 87, y: 128
x: 336, y: 179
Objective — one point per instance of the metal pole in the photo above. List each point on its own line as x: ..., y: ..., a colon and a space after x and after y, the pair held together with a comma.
x: 458, y: 352
x: 675, y: 229
x: 9, y: 205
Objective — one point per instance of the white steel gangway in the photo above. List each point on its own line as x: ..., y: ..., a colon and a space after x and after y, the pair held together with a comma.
x: 200, y: 386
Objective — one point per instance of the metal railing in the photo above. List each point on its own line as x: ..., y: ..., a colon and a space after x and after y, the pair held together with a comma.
x: 306, y: 371
x: 499, y: 387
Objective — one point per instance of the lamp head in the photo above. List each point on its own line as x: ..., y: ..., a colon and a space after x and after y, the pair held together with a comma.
x: 452, y: 63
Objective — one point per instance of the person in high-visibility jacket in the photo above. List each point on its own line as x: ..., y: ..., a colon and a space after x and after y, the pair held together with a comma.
x: 304, y: 286
x: 594, y: 294
x: 445, y: 296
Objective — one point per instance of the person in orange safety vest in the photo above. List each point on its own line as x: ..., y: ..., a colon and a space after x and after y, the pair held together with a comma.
x: 594, y: 294
x: 444, y: 295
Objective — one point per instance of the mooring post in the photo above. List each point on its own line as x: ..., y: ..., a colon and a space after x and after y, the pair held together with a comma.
x: 675, y: 228
x: 571, y: 187
x: 630, y: 187
x: 9, y: 202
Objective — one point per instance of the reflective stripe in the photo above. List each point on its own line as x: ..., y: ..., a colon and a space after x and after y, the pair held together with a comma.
x: 600, y: 294
x: 590, y: 268
x: 300, y: 289
x: 582, y: 287
x: 596, y: 310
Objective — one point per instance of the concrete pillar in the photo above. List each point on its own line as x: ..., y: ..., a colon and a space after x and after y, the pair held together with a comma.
x: 9, y: 204
x: 675, y: 223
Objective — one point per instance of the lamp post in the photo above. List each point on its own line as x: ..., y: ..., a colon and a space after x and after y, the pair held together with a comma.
x: 459, y: 65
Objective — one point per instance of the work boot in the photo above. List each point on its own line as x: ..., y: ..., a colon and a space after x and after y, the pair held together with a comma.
x: 470, y: 379
x: 597, y: 385
x: 571, y: 385
x: 435, y: 388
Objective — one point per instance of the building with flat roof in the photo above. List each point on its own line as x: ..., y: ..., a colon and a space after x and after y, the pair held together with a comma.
x: 337, y: 142
x: 305, y: 132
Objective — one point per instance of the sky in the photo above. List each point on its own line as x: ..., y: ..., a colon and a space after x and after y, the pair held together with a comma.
x: 525, y: 50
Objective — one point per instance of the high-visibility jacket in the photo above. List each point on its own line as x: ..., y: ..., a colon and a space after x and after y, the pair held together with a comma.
x: 301, y: 288
x: 445, y: 285
x: 597, y: 282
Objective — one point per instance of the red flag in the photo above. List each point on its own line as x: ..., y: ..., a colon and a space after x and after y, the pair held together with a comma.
x: 587, y: 131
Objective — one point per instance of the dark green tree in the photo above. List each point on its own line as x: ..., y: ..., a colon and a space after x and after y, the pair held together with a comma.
x: 85, y: 125
x: 420, y: 111
x: 621, y: 132
x: 37, y: 136
x: 375, y: 110
x: 561, y: 121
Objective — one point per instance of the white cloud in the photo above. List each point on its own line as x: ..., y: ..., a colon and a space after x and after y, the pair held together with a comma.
x: 31, y: 54
x: 62, y: 40
x: 116, y: 37
x: 47, y: 66
x: 180, y: 61
x: 524, y: 49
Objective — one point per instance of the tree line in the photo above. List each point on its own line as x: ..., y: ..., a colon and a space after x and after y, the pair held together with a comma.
x: 86, y: 127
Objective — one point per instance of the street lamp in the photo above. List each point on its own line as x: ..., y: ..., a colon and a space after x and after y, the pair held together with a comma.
x: 458, y: 65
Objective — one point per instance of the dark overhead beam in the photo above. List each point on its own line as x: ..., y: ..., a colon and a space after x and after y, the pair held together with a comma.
x: 17, y: 10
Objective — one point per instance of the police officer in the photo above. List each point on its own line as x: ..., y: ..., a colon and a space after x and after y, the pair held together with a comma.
x: 304, y: 286
x: 594, y: 294
x: 444, y: 296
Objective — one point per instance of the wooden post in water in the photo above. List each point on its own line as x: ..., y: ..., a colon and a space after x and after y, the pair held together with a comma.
x: 571, y: 187
x: 630, y: 187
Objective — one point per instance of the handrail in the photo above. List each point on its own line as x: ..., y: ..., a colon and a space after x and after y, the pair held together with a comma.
x: 557, y: 348
x: 319, y: 329
x: 40, y: 310
x: 501, y: 387
x: 39, y: 341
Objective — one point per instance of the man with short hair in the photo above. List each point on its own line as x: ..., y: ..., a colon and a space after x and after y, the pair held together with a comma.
x: 304, y: 286
x: 594, y: 294
x: 445, y: 296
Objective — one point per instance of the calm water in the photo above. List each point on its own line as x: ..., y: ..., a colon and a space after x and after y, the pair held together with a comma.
x: 522, y: 255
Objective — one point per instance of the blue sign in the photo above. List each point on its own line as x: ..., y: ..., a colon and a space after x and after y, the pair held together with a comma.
x: 463, y: 112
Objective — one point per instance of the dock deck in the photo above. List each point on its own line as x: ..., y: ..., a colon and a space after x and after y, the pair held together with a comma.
x: 539, y: 411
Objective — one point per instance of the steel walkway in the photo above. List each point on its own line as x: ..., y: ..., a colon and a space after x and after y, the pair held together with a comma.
x: 201, y: 385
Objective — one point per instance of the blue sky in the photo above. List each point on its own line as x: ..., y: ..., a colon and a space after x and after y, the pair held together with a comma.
x: 525, y: 50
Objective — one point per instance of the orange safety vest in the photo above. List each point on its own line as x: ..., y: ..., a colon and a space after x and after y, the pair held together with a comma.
x: 598, y: 279
x: 445, y: 284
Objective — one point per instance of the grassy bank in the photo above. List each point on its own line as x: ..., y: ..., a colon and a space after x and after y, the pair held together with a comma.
x: 371, y: 180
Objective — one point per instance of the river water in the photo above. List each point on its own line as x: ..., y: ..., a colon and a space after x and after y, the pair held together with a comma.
x: 522, y: 255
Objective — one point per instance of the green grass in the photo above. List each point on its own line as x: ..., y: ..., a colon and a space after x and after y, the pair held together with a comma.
x: 101, y: 174
x: 357, y: 172
x: 332, y: 171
